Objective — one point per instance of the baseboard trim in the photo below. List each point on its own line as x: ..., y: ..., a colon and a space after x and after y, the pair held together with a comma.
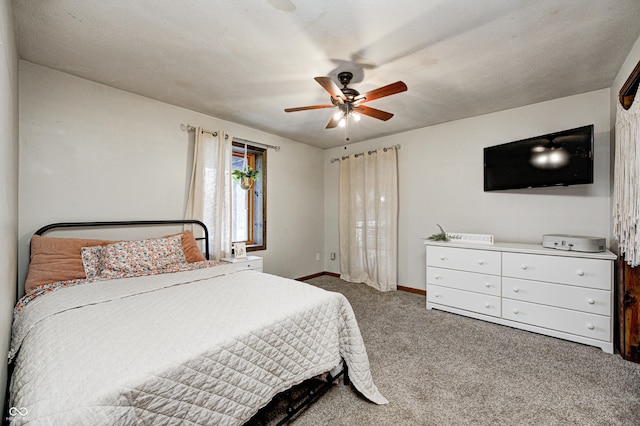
x: 319, y: 274
x: 412, y: 290
x: 333, y: 274
x: 308, y: 277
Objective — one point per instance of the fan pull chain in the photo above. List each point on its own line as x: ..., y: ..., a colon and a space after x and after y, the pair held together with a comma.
x: 346, y: 127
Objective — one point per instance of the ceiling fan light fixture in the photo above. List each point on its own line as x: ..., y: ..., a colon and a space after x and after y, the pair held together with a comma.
x: 347, y: 100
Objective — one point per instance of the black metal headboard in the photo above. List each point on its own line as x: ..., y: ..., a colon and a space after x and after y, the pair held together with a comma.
x: 123, y: 223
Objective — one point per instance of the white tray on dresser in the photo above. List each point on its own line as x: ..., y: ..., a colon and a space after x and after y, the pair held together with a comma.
x: 563, y: 294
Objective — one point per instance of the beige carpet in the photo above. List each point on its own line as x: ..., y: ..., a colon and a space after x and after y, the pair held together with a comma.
x: 438, y: 368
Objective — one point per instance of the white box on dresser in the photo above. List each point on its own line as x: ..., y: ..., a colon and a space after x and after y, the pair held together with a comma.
x: 563, y: 294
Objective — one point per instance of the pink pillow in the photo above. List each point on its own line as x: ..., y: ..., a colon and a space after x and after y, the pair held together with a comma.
x: 56, y: 259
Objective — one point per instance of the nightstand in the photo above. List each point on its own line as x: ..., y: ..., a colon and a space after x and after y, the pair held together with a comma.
x: 249, y: 262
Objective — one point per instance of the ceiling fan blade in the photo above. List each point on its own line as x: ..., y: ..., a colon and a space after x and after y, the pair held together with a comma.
x: 332, y: 88
x: 388, y: 90
x: 333, y: 122
x: 305, y: 108
x: 372, y: 112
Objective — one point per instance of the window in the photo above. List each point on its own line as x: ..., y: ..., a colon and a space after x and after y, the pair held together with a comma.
x: 248, y: 221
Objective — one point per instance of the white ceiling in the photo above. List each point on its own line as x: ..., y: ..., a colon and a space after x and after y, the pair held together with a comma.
x: 245, y: 61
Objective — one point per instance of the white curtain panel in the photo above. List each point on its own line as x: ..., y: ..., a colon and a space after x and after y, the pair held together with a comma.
x: 369, y: 219
x: 210, y: 191
x: 626, y: 183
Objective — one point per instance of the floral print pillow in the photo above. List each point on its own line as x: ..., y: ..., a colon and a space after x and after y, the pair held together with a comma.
x: 154, y: 255
x: 92, y: 261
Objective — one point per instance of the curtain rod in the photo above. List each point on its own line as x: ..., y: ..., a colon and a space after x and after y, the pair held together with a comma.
x: 629, y: 89
x: 190, y: 128
x: 263, y: 145
x: 333, y: 160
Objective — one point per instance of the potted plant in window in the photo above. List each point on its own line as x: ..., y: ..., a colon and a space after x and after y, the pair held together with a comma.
x: 246, y: 177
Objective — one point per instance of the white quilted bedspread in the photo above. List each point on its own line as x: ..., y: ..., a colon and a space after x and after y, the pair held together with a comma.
x: 203, y: 347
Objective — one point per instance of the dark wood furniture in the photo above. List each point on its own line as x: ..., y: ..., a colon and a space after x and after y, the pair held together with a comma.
x: 628, y: 302
x: 629, y: 311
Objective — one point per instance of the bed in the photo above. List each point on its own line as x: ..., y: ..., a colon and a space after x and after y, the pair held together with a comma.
x: 154, y: 333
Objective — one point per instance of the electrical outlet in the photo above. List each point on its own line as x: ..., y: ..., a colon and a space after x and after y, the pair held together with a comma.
x: 317, y: 256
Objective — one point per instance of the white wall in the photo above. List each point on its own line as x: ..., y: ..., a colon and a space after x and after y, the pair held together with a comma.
x: 91, y: 152
x: 9, y: 187
x: 441, y: 182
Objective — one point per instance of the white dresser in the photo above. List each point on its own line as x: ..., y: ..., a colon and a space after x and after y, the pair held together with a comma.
x: 564, y: 294
x: 249, y: 262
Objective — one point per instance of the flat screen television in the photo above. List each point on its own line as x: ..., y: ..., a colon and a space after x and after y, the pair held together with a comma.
x: 557, y: 159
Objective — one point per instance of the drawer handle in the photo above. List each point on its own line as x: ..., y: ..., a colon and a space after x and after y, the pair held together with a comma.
x: 524, y: 267
x: 438, y: 276
x: 516, y: 289
x: 580, y: 273
x: 590, y: 326
x: 487, y: 285
x: 515, y: 311
x: 481, y: 262
x: 487, y: 305
x: 591, y: 301
x: 437, y: 295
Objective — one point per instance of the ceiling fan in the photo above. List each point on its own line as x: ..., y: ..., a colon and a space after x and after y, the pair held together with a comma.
x: 350, y: 102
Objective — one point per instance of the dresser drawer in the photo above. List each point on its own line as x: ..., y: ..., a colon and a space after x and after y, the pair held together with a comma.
x: 573, y: 322
x: 592, y: 273
x: 466, y: 300
x: 559, y: 295
x: 470, y: 281
x: 253, y: 264
x: 480, y: 261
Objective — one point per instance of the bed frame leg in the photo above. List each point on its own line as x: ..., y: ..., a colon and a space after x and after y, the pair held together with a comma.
x: 314, y: 394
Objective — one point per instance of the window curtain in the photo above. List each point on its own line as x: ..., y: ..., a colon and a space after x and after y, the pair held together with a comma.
x: 210, y: 190
x: 626, y: 183
x: 369, y: 218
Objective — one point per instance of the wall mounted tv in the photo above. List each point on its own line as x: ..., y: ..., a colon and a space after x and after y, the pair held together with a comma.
x: 557, y: 159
